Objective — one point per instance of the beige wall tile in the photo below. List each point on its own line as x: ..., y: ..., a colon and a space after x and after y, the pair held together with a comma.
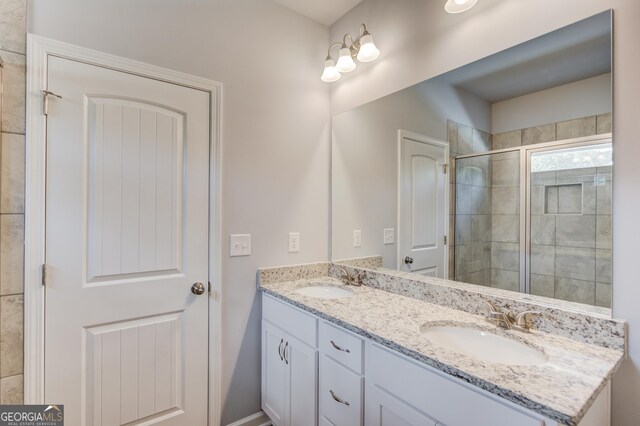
x: 506, y: 280
x: 603, y: 232
x: 542, y: 285
x: 11, y: 335
x: 465, y: 139
x: 576, y: 263
x: 576, y: 231
x: 505, y: 200
x: 539, y: 134
x: 481, y: 141
x: 11, y: 254
x: 507, y: 140
x: 12, y: 25
x: 604, y: 123
x: 603, y: 266
x: 452, y: 136
x: 575, y: 290
x: 12, y: 174
x: 603, y: 295
x: 505, y: 228
x: 11, y: 390
x: 577, y: 128
x: 543, y: 259
x: 505, y: 256
x: 13, y: 114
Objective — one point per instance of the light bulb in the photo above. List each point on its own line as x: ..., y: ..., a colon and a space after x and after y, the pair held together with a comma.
x: 330, y: 73
x: 458, y: 6
x: 368, y: 51
x: 345, y: 61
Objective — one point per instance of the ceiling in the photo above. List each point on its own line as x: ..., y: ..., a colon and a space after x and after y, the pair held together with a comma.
x: 573, y: 53
x: 326, y: 12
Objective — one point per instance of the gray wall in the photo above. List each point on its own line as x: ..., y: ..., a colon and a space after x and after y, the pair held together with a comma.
x: 365, y: 159
x: 275, y: 142
x: 417, y: 40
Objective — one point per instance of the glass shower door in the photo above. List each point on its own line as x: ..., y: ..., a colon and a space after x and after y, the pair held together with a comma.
x: 487, y: 220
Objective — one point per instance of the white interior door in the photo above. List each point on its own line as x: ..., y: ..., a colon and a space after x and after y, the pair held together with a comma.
x: 127, y: 208
x: 423, y: 205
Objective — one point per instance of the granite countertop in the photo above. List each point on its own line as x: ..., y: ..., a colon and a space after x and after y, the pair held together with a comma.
x: 562, y: 389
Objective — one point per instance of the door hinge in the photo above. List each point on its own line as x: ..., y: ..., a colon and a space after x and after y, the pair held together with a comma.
x: 45, y: 100
x: 445, y: 240
x: 44, y: 274
x: 444, y: 168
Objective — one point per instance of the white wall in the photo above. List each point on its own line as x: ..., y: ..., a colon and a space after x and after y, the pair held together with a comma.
x: 365, y: 159
x: 583, y: 98
x: 275, y: 133
x: 418, y: 41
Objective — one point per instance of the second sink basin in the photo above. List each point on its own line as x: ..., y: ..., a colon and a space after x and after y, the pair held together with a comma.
x: 324, y: 291
x: 484, y: 345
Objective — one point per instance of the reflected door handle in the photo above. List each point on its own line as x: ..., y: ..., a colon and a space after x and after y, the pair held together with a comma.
x: 198, y: 289
x: 408, y: 260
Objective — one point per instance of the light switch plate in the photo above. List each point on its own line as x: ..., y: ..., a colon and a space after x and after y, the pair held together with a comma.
x: 294, y: 242
x: 357, y: 238
x: 240, y: 245
x: 388, y: 236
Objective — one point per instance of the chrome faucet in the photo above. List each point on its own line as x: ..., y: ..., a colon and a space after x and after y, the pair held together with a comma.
x: 349, y: 278
x: 508, y: 321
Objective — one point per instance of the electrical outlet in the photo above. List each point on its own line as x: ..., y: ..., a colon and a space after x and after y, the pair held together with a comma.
x: 357, y: 238
x: 240, y: 245
x: 294, y: 242
x: 388, y: 236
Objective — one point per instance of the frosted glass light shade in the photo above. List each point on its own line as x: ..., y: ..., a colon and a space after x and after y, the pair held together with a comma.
x: 459, y: 6
x: 330, y: 73
x: 368, y: 50
x: 345, y: 61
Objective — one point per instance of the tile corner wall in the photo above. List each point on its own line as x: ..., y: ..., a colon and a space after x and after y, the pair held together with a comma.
x: 12, y: 169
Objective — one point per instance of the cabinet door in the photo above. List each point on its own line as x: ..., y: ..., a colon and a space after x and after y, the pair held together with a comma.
x: 274, y: 385
x: 302, y: 380
x: 384, y: 409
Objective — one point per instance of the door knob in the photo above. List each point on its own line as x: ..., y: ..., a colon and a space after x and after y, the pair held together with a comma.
x: 408, y: 260
x: 198, y: 289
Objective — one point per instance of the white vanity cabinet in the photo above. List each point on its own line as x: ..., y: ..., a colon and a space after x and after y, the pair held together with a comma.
x: 314, y: 372
x: 289, y: 365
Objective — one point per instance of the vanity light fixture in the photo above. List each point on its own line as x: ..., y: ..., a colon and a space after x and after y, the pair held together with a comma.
x: 364, y: 49
x: 459, y: 6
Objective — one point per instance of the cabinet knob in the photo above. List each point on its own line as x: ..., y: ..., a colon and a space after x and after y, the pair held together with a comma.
x: 408, y: 260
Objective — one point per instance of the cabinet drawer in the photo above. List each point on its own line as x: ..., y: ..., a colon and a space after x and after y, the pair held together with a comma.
x: 337, y: 383
x: 340, y: 345
x: 295, y: 322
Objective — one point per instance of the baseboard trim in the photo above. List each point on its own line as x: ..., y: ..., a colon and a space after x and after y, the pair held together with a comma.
x: 257, y: 419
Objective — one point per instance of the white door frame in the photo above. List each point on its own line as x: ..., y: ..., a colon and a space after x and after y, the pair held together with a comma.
x: 402, y: 134
x: 38, y: 50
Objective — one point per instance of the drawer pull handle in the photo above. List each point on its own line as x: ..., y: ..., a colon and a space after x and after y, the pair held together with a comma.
x: 286, y: 345
x: 338, y: 399
x: 338, y: 347
x: 280, y: 350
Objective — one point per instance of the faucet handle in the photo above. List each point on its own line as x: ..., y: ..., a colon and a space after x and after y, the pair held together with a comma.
x: 492, y: 307
x: 521, y: 318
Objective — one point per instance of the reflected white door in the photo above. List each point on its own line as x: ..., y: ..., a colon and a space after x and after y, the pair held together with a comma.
x: 423, y: 205
x: 126, y: 237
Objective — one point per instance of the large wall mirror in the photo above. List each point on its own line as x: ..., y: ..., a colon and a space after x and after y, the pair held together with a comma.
x: 496, y: 174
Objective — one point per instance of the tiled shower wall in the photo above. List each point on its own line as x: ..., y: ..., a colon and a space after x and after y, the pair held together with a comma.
x: 470, y: 251
x: 487, y: 234
x: 570, y: 251
x: 12, y: 51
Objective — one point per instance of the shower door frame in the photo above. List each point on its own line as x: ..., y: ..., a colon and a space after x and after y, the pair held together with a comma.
x: 524, y: 157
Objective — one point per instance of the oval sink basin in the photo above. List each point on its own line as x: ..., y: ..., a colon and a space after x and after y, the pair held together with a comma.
x: 324, y: 292
x: 484, y: 345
